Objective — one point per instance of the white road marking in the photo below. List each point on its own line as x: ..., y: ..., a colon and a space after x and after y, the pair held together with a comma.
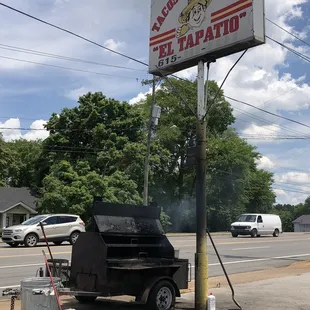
x: 214, y: 264
x: 12, y: 286
x: 21, y: 266
x: 259, y: 260
x: 252, y: 248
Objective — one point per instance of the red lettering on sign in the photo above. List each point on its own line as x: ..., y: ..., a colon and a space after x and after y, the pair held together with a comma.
x: 189, y: 42
x: 218, y: 30
x: 160, y: 20
x: 181, y: 42
x: 209, y: 35
x: 199, y: 35
x: 234, y: 24
x: 165, y: 50
x: 165, y: 12
x: 226, y: 27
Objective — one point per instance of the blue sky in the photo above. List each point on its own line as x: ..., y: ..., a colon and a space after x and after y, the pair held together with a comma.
x: 29, y: 92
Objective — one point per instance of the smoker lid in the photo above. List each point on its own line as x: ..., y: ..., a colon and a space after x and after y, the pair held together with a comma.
x: 112, y: 218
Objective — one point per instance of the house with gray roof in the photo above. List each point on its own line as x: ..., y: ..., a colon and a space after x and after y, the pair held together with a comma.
x: 16, y: 205
x: 302, y: 224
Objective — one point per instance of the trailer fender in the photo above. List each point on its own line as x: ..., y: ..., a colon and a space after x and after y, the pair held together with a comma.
x: 150, y: 284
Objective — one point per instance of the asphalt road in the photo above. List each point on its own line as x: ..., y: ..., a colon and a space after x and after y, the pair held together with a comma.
x: 239, y: 255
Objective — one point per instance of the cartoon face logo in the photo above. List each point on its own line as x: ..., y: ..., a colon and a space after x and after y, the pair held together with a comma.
x: 196, y: 15
x: 192, y: 16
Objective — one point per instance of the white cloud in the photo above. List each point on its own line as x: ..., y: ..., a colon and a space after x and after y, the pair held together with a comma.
x: 74, y: 94
x: 261, y: 130
x: 141, y: 96
x: 12, y: 130
x: 289, y: 197
x: 265, y: 163
x: 114, y: 45
x: 294, y: 177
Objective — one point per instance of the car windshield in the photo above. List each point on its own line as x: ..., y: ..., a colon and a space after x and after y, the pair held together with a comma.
x: 247, y: 218
x: 34, y: 220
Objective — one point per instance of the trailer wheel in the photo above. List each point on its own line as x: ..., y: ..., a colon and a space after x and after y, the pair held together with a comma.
x: 162, y: 296
x: 85, y: 299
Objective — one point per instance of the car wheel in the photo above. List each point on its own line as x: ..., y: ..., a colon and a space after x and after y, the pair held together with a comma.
x: 162, y: 296
x: 57, y: 242
x: 254, y: 233
x: 276, y: 233
x: 74, y: 236
x: 14, y: 244
x: 85, y: 299
x: 31, y: 240
x: 234, y: 235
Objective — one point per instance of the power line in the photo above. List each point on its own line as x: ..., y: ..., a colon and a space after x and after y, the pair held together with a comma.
x: 290, y: 33
x: 270, y: 100
x: 39, y: 53
x: 304, y: 57
x: 267, y: 112
x: 265, y: 121
x: 220, y: 88
x: 69, y: 69
x: 72, y: 33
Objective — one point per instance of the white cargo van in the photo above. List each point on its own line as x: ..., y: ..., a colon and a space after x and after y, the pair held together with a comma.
x: 257, y: 225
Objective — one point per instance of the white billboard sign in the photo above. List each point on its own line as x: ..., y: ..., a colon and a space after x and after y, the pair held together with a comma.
x: 186, y: 31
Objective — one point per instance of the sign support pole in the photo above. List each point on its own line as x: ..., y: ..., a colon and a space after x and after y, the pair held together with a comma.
x: 148, y: 148
x: 201, y: 258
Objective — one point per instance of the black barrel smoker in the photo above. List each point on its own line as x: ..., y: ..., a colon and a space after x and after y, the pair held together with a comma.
x: 127, y: 253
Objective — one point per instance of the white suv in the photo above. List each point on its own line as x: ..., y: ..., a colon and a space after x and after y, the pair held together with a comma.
x: 58, y: 228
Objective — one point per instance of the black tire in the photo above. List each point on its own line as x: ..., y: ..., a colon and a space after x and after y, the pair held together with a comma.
x: 74, y: 236
x: 14, y: 244
x: 166, y: 292
x: 258, y: 236
x: 234, y: 235
x: 86, y: 299
x: 276, y: 233
x: 31, y: 240
x: 254, y: 233
x: 57, y: 242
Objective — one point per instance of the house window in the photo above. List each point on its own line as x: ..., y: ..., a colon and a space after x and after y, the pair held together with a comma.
x: 7, y: 223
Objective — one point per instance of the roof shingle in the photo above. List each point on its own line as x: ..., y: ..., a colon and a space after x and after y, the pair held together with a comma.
x: 10, y: 196
x: 304, y: 219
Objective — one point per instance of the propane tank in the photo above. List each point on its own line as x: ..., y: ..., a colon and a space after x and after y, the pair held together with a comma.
x: 211, y: 302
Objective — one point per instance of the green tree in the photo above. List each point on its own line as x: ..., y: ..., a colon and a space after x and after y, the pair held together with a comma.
x: 71, y: 189
x: 23, y: 159
x: 260, y: 193
x: 230, y: 166
x: 108, y: 134
x: 4, y: 160
x: 177, y: 128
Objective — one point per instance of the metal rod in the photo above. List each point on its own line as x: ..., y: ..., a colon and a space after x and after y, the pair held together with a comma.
x: 52, y: 280
x: 148, y: 148
x: 48, y: 247
x: 201, y: 259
